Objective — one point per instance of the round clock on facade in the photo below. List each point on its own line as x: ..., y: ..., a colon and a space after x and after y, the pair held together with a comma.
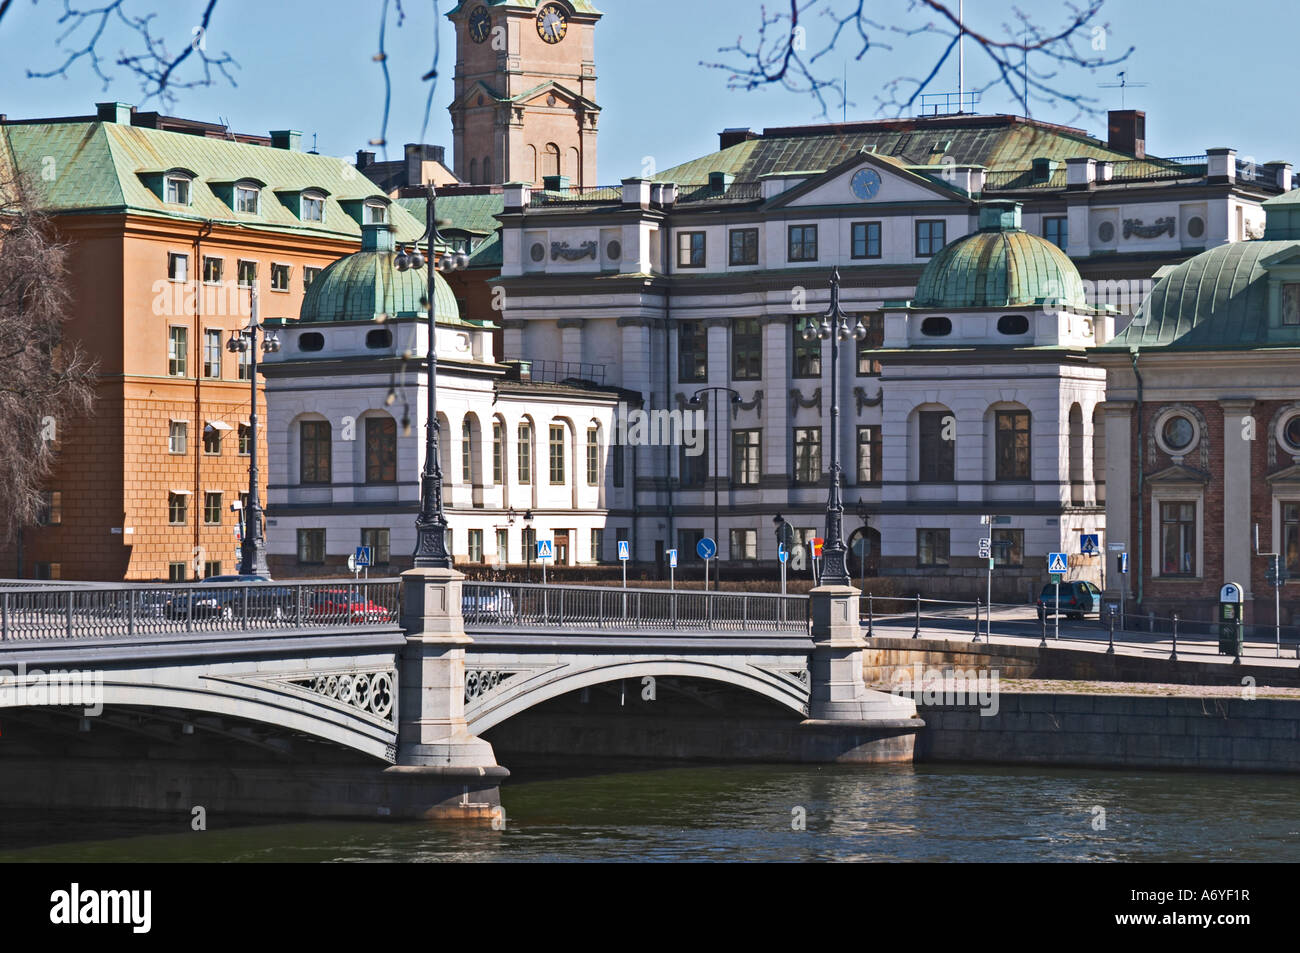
x: 480, y: 25
x: 552, y: 23
x: 865, y: 183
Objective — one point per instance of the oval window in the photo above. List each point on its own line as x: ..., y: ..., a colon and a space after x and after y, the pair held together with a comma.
x: 614, y: 251
x: 1291, y: 433
x: 1178, y: 433
x: 538, y: 251
x: 379, y: 338
x: 936, y: 327
x: 1013, y: 324
x: 1196, y: 226
x: 311, y: 341
x: 1106, y: 232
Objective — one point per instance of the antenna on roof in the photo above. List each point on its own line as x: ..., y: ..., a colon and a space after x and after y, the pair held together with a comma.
x: 1122, y: 85
x: 961, y: 51
x: 225, y: 125
x: 313, y: 145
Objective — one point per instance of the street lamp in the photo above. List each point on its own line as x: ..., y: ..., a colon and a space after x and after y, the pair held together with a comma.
x: 695, y: 402
x: 836, y: 326
x: 252, y: 548
x: 431, y: 524
x: 529, y: 544
x: 866, y: 538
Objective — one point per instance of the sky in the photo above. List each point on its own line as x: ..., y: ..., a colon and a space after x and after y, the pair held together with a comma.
x: 1213, y: 79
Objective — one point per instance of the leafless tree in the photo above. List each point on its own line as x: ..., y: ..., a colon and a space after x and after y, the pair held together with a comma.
x: 43, y: 381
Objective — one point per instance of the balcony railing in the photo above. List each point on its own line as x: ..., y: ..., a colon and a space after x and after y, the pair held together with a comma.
x: 579, y: 195
x: 736, y: 192
x: 557, y: 372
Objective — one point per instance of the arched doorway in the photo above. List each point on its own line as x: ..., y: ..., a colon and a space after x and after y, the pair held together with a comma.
x: 871, y: 538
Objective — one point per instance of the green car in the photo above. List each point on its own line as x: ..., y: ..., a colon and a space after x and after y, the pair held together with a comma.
x: 1077, y: 599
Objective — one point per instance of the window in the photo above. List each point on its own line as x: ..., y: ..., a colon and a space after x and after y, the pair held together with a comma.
x: 212, y: 352
x: 618, y: 465
x: 212, y: 440
x: 51, y: 512
x: 690, y: 249
x: 557, y: 454
x: 315, y: 451
x: 311, y: 546
x: 744, y: 544
x: 593, y: 456
x: 1008, y: 547
x: 211, y: 568
x: 381, y: 450
x: 525, y: 453
x: 378, y: 541
x: 466, y: 452
x: 1291, y: 303
x: 176, y: 572
x: 379, y: 339
x: 803, y: 243
x: 309, y: 275
x: 498, y: 453
x: 930, y: 237
x: 936, y: 327
x: 178, y: 190
x: 312, y: 208
x: 374, y: 213
x: 178, y: 266
x: 247, y: 273
x: 48, y: 570
x: 692, y: 352
x: 932, y: 547
x: 1012, y: 445
x: 176, y: 508
x: 866, y: 240
x: 938, y: 439
x: 503, y: 546
x: 244, y: 366
x: 475, y: 545
x: 1177, y: 539
x: 311, y: 341
x: 746, y: 350
x: 1177, y: 434
x: 1057, y: 231
x: 868, y: 455
x: 746, y: 456
x: 246, y: 198
x: 213, y: 268
x: 807, y: 454
x: 212, y: 509
x: 875, y: 339
x: 744, y: 246
x: 694, y: 469
x: 527, y: 544
x: 807, y: 354
x: 1013, y: 324
x: 279, y: 277
x: 597, y: 545
x: 245, y: 436
x: 177, y: 436
x: 1291, y: 537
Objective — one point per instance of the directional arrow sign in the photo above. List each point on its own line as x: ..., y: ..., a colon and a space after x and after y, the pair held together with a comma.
x: 781, y: 554
x: 706, y: 548
x: 1056, y: 562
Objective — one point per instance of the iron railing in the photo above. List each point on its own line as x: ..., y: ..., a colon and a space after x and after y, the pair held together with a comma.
x: 579, y: 195
x: 556, y: 372
x: 735, y: 192
x: 518, y: 605
x: 90, y: 611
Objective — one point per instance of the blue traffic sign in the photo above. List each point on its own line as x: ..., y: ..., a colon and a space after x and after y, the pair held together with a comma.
x: 781, y: 554
x: 1123, y: 562
x: 1089, y: 543
x: 624, y: 550
x: 672, y: 558
x: 706, y: 548
x: 1056, y: 562
x: 544, y: 549
x: 362, y: 557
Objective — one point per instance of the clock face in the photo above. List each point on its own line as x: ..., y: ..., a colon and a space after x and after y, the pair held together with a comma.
x: 480, y: 25
x: 865, y: 183
x: 552, y: 23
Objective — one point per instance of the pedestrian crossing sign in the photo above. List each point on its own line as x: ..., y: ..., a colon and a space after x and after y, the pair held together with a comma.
x: 545, y: 549
x: 624, y: 551
x: 1056, y: 562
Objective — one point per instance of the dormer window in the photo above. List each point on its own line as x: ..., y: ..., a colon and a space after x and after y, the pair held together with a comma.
x: 313, y: 207
x: 375, y: 213
x: 177, y: 190
x: 247, y: 199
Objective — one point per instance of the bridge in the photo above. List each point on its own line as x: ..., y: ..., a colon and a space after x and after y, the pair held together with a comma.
x: 372, y: 697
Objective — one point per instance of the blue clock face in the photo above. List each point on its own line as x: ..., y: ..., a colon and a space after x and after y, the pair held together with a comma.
x: 866, y: 183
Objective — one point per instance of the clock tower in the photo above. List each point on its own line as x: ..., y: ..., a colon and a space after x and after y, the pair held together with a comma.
x: 525, y: 104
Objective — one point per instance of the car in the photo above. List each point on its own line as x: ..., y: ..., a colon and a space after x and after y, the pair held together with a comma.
x: 488, y: 606
x: 1077, y: 599
x: 344, y: 605
x: 273, y: 603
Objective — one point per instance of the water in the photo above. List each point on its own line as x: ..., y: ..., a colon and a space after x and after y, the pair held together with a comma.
x: 631, y: 812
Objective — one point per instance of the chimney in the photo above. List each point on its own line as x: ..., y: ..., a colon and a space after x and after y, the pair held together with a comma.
x: 119, y: 113
x: 1127, y: 132
x: 286, y: 139
x: 416, y: 154
x: 732, y: 137
x: 364, y: 159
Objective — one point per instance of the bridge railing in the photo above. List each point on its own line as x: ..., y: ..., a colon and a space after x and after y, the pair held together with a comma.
x: 94, y: 611
x: 486, y: 605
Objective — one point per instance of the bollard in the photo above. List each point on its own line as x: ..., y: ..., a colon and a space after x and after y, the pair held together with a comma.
x: 916, y: 631
x: 977, y: 620
x: 1042, y: 626
x: 1173, y: 656
x: 1110, y: 649
x: 871, y: 625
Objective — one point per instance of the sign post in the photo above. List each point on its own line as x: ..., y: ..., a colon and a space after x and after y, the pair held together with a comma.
x: 986, y: 552
x: 1056, y: 565
x: 624, y: 554
x: 706, y: 549
x: 362, y: 558
x: 1090, y: 545
x: 672, y: 570
x: 545, y: 551
x: 782, y: 555
x: 815, y: 549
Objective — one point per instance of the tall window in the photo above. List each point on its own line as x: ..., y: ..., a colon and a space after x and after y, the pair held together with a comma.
x: 1057, y: 231
x: 868, y: 455
x: 51, y: 513
x: 527, y: 544
x: 1291, y: 537
x: 381, y: 450
x: 932, y: 547
x: 937, y: 444
x: 176, y: 508
x: 1178, y: 539
x: 212, y: 352
x: 690, y: 250
x: 178, y: 190
x: 1008, y: 547
x: 176, y: 572
x: 597, y: 544
x: 212, y: 440
x: 315, y: 445
x: 245, y: 368
x: 245, y: 435
x: 807, y: 454
x: 557, y: 454
x: 309, y: 275
x: 379, y: 542
x: 694, y: 470
x: 313, y: 208
x: 178, y: 266
x: 874, y: 322
x: 744, y: 246
x: 213, y: 269
x: 746, y: 350
x: 525, y: 453
x: 177, y: 436
x: 177, y: 351
x: 746, y: 456
x: 593, y: 456
x: 803, y: 243
x: 475, y: 543
x: 311, y: 546
x: 498, y: 453
x: 930, y: 237
x: 212, y: 509
x: 1012, y: 452
x: 466, y: 451
x: 807, y: 354
x: 744, y: 544
x: 617, y: 465
x: 503, y: 545
x: 692, y: 352
x: 279, y: 277
x: 247, y: 273
x: 866, y: 240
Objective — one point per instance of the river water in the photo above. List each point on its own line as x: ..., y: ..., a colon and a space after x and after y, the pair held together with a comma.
x: 654, y: 812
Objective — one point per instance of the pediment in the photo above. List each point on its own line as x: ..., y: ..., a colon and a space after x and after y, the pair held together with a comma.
x: 1179, y: 474
x: 897, y: 184
x: 1291, y: 475
x: 1287, y: 256
x: 540, y: 96
x: 470, y: 97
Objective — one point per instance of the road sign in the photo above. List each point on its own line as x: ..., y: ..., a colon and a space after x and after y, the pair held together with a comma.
x: 624, y: 550
x: 1056, y: 563
x: 781, y: 553
x: 1115, y: 547
x: 986, y: 547
x: 672, y: 559
x: 706, y: 548
x: 1056, y: 578
x: 362, y: 556
x: 1089, y: 543
x: 817, y: 544
x: 1123, y: 563
x: 545, y: 549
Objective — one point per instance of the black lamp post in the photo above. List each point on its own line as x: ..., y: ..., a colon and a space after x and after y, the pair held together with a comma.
x: 252, y: 548
x: 529, y: 545
x: 866, y: 538
x: 695, y: 402
x: 837, y: 326
x: 431, y: 524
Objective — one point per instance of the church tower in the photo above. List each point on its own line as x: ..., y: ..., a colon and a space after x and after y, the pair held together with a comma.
x: 525, y: 103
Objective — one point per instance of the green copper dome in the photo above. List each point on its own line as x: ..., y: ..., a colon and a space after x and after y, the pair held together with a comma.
x: 999, y: 266
x: 366, y: 284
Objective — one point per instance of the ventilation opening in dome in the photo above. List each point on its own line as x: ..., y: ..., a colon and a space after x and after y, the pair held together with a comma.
x: 379, y: 338
x: 936, y: 327
x: 311, y: 341
x: 1013, y: 324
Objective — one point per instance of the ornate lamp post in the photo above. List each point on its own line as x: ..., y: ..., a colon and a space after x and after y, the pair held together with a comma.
x: 252, y: 548
x: 837, y: 326
x: 431, y: 524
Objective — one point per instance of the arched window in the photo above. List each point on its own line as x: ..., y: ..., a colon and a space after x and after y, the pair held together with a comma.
x: 466, y: 451
x: 593, y: 455
x: 498, y: 452
x: 1099, y: 455
x: 381, y: 450
x: 937, y: 443
x: 473, y: 171
x: 315, y: 443
x: 525, y: 452
x: 487, y: 170
x: 552, y: 166
x: 1076, y: 455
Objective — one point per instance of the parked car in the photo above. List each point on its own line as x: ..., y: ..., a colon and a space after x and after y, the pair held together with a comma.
x: 325, y: 606
x: 273, y: 603
x: 1077, y: 599
x: 491, y: 606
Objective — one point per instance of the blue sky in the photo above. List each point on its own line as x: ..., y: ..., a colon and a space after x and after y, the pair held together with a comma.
x: 1215, y: 80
